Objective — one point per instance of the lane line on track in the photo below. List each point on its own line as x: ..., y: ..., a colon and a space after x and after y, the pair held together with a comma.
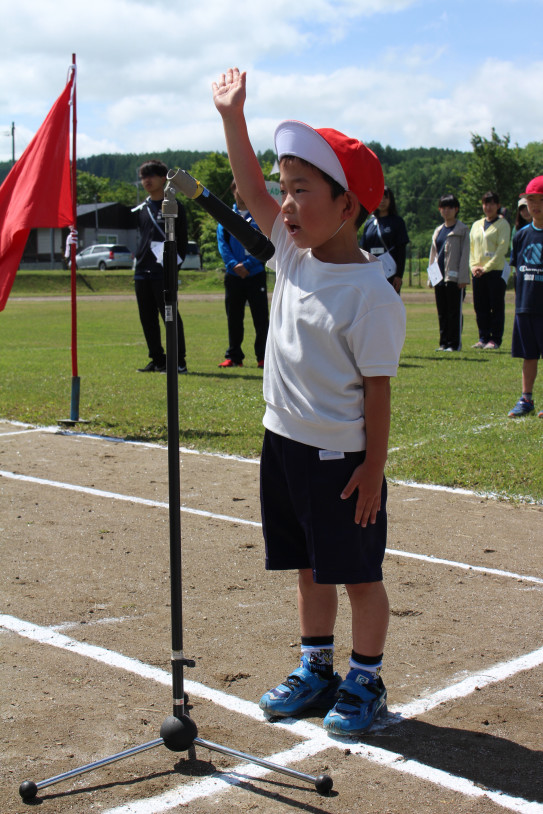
x: 238, y: 775
x: 432, y: 487
x: 255, y: 524
x: 89, y: 490
x: 316, y: 740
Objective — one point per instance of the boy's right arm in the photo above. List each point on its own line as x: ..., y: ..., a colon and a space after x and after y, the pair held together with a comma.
x: 229, y: 98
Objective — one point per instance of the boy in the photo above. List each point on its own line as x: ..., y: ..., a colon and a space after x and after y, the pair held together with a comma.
x: 336, y: 332
x: 149, y: 272
x: 527, y: 259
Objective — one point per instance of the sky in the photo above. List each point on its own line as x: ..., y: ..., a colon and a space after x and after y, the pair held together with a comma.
x: 405, y: 73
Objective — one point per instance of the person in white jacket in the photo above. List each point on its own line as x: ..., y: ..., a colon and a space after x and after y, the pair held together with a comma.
x: 450, y: 249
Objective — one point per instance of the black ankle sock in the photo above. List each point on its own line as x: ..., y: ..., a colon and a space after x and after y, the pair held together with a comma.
x: 365, y: 659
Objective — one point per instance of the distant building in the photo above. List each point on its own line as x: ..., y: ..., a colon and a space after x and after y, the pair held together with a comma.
x: 96, y: 223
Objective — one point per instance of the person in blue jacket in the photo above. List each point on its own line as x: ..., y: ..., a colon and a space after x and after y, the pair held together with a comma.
x: 244, y: 282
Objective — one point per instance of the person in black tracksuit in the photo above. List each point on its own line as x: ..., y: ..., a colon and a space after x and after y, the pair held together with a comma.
x: 244, y: 282
x: 149, y: 272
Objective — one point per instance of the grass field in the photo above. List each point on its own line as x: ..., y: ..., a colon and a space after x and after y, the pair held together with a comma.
x: 47, y: 283
x: 449, y: 426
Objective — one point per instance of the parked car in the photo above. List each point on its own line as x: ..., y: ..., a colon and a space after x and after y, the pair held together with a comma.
x: 193, y: 258
x: 104, y: 256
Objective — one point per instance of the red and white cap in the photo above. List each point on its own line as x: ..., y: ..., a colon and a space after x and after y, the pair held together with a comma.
x: 348, y: 161
x: 535, y: 187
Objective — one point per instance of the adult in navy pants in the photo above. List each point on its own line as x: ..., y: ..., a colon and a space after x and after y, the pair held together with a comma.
x: 244, y: 282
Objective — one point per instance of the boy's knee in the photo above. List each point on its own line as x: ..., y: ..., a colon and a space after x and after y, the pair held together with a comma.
x: 365, y: 588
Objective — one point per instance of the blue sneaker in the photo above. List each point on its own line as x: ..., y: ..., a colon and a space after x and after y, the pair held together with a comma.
x: 302, y: 690
x: 362, y: 699
x: 522, y: 407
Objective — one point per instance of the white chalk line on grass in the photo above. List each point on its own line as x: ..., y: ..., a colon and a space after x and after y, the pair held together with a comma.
x: 255, y: 524
x: 316, y: 740
x: 456, y: 490
x: 112, y: 439
x: 415, y: 444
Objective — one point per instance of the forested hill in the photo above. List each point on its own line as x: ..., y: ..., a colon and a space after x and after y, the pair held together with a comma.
x: 124, y: 167
x: 417, y: 176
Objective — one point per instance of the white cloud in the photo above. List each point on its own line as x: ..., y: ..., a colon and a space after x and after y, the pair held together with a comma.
x: 145, y: 69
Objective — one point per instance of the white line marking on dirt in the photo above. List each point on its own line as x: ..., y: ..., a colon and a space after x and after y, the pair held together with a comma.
x: 391, y: 760
x: 18, y: 432
x: 55, y: 430
x: 316, y: 740
x: 108, y: 620
x: 236, y: 776
x: 256, y: 524
x: 89, y: 490
x: 474, y: 681
x: 483, y: 569
x: 439, y: 777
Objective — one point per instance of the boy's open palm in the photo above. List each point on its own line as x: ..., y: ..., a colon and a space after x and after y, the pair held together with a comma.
x: 368, y: 503
x: 229, y: 91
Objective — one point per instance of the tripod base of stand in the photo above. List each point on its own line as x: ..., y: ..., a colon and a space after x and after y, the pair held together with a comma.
x: 177, y: 733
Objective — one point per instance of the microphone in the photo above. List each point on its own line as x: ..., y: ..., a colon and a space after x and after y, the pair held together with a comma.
x: 256, y: 243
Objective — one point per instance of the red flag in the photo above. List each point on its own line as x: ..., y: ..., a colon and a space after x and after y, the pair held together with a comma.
x: 37, y: 191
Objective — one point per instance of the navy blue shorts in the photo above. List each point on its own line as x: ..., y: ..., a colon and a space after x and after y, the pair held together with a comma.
x: 527, y: 336
x: 306, y: 524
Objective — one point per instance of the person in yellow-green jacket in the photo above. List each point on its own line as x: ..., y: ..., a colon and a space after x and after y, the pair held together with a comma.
x: 488, y: 245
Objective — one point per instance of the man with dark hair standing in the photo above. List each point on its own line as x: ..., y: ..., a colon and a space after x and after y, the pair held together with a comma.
x: 149, y: 273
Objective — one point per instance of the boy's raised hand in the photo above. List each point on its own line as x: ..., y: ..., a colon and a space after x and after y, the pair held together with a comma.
x: 229, y: 91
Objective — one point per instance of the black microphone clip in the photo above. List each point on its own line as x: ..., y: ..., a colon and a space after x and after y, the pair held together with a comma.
x: 256, y: 243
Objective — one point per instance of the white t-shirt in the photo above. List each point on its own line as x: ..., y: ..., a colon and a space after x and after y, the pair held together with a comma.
x: 330, y: 326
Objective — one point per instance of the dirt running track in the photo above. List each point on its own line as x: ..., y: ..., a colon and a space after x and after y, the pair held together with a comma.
x: 85, y: 642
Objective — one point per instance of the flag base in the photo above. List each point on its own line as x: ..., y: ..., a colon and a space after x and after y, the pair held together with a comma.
x: 68, y: 422
x: 74, y: 405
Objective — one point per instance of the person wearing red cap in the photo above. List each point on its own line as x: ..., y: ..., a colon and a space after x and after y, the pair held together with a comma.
x: 527, y: 260
x: 336, y: 332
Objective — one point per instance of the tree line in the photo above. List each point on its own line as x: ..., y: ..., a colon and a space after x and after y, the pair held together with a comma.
x: 418, y: 177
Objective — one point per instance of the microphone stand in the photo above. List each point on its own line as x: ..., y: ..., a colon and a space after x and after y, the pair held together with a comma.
x: 178, y: 732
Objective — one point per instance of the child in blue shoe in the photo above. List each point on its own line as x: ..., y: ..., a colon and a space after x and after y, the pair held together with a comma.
x: 336, y: 331
x: 527, y: 260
